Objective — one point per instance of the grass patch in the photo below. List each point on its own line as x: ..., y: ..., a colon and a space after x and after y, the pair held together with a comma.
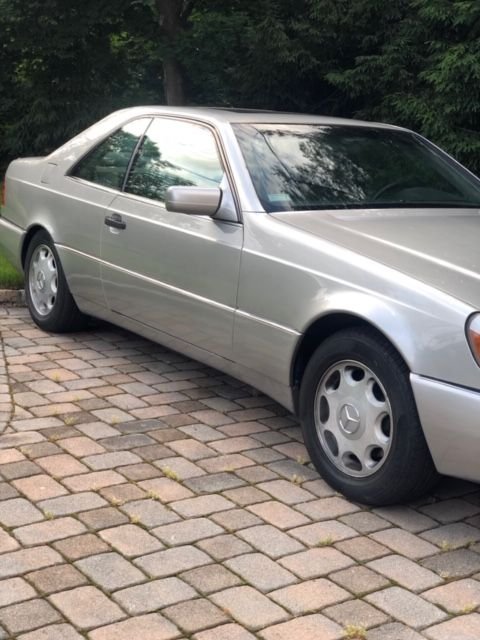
x: 10, y: 278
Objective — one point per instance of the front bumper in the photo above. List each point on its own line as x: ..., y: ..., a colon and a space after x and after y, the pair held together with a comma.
x: 450, y: 417
x: 11, y: 240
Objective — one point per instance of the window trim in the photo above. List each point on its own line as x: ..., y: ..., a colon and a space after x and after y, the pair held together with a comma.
x: 221, y: 155
x: 98, y: 143
x: 170, y: 116
x: 133, y: 157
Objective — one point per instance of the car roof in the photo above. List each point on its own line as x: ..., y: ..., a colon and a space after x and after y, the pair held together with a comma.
x: 217, y: 115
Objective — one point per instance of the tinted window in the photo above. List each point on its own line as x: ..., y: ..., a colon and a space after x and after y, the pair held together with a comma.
x: 174, y: 153
x: 108, y: 162
x: 309, y: 166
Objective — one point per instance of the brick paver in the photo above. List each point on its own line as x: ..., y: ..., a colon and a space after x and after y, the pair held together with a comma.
x: 356, y: 613
x: 309, y: 627
x: 231, y: 631
x: 23, y: 560
x: 213, y: 577
x: 110, y: 570
x: 87, y: 607
x: 406, y: 607
x: 148, y: 627
x: 53, y: 632
x: 48, y: 531
x: 28, y: 615
x: 309, y: 596
x: 154, y: 595
x: 461, y: 628
x: 172, y: 561
x: 406, y: 573
x: 359, y: 580
x: 249, y: 607
x: 15, y: 590
x: 16, y: 512
x: 316, y: 562
x: 56, y: 578
x: 145, y: 496
x: 39, y: 487
x: 456, y: 597
x: 260, y: 571
x: 131, y: 540
x: 195, y: 615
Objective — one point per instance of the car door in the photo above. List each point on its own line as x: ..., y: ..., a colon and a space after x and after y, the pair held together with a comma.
x: 90, y: 187
x: 171, y: 271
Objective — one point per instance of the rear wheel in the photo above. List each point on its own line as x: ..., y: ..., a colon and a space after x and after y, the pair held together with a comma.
x: 360, y: 422
x: 49, y: 300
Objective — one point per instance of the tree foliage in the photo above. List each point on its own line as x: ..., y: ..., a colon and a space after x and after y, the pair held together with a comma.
x: 64, y: 63
x: 425, y: 75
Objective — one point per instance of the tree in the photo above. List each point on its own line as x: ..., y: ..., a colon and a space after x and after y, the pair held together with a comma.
x: 173, y: 18
x: 424, y: 73
x: 64, y: 64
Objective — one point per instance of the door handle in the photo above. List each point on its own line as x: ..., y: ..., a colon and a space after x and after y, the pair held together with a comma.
x: 115, y: 221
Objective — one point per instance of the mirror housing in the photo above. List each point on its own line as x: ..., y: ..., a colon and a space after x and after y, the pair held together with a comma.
x: 198, y: 201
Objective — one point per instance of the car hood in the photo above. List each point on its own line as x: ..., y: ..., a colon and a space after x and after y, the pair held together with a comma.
x: 440, y: 247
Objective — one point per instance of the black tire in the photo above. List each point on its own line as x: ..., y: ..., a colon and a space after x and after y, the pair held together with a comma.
x: 407, y: 470
x: 64, y: 316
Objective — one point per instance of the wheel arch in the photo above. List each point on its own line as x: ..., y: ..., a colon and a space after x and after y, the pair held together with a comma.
x: 318, y: 331
x: 28, y: 238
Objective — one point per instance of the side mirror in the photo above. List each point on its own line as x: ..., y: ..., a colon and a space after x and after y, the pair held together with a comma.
x: 194, y: 200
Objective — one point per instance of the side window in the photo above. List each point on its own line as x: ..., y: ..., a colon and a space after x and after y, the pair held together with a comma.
x: 174, y: 153
x: 107, y: 163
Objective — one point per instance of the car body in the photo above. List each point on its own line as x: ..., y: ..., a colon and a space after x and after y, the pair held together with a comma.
x: 252, y: 292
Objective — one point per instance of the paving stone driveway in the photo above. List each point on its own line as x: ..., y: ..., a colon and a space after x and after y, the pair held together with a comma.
x: 144, y: 496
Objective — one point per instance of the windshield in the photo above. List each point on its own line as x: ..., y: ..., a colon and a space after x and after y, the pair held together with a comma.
x: 307, y: 166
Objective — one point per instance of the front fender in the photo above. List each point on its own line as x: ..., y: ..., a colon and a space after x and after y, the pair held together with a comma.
x: 430, y: 336
x: 377, y: 312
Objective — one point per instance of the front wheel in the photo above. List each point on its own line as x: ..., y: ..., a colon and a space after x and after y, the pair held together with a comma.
x: 48, y: 297
x: 360, y: 421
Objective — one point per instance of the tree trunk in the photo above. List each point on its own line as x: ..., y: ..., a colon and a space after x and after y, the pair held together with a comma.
x: 173, y: 82
x: 170, y: 12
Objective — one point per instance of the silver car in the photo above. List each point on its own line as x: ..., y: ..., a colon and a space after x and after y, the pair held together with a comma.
x: 333, y: 264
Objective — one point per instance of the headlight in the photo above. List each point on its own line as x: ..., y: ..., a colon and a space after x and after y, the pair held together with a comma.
x: 473, y: 336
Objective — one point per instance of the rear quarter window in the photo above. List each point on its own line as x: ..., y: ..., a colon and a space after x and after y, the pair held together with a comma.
x: 107, y: 163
